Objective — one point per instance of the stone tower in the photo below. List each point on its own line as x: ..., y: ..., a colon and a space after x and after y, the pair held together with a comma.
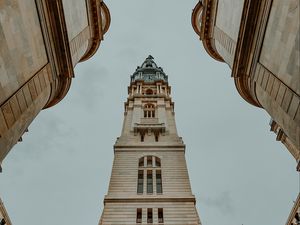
x: 149, y: 181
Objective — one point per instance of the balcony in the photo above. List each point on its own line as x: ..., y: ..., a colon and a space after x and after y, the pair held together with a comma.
x: 149, y: 120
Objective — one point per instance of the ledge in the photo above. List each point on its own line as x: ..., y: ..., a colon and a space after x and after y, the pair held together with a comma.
x: 204, y: 10
x: 96, y: 8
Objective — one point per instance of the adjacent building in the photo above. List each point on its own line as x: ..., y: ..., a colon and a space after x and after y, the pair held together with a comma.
x: 259, y: 40
x: 41, y: 41
x: 149, y: 181
x: 4, y: 218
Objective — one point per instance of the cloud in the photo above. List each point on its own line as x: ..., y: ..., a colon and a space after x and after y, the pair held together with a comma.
x: 222, y: 202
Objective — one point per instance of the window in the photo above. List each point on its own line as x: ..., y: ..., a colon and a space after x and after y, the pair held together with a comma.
x: 149, y: 216
x: 142, y: 137
x: 141, y: 162
x: 158, y: 182
x: 139, y: 216
x: 149, y: 161
x: 160, y: 215
x: 149, y: 92
x: 149, y: 111
x: 140, y: 186
x: 156, y: 137
x: 149, y: 182
x: 157, y: 162
x: 149, y: 168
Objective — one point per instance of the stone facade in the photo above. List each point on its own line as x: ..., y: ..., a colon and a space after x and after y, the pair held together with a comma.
x: 4, y: 218
x: 294, y: 218
x: 40, y: 44
x: 259, y: 40
x: 149, y: 181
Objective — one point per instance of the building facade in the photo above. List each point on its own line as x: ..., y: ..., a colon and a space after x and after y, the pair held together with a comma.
x: 4, y: 218
x: 149, y: 181
x: 259, y: 40
x: 40, y: 44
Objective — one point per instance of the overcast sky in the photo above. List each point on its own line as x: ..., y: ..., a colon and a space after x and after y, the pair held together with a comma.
x: 59, y: 174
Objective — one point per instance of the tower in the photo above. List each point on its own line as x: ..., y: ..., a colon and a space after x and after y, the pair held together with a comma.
x: 149, y: 181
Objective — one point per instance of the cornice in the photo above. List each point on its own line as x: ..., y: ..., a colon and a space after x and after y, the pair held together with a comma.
x: 294, y: 211
x: 195, y: 15
x: 5, y: 214
x: 252, y: 26
x: 206, y: 11
x: 151, y: 147
x: 95, y: 10
x: 55, y: 34
x: 59, y: 90
x: 150, y: 199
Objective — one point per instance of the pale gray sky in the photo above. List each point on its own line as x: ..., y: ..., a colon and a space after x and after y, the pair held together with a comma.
x: 59, y: 174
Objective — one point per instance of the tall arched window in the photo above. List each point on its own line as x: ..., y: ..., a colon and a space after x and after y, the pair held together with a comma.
x: 150, y: 170
x: 149, y: 111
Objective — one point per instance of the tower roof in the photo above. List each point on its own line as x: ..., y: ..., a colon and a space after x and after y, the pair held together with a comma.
x: 149, y: 72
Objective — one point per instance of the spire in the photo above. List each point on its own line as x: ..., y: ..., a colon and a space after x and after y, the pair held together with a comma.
x: 149, y: 72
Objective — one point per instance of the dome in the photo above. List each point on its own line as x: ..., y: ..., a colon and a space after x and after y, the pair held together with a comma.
x: 149, y: 72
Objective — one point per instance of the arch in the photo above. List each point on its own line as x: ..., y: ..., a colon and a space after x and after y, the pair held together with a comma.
x: 149, y: 170
x: 151, y: 161
x: 149, y: 91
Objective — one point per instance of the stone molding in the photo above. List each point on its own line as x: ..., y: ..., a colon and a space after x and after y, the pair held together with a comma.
x: 95, y: 10
x: 254, y: 81
x: 4, y: 213
x: 250, y: 37
x: 282, y: 136
x: 145, y: 200
x: 57, y: 44
x: 206, y: 11
x: 295, y: 213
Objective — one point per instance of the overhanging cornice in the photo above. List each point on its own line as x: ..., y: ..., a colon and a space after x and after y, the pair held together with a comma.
x: 206, y: 11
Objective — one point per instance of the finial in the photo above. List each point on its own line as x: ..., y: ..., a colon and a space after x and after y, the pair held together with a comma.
x: 150, y: 57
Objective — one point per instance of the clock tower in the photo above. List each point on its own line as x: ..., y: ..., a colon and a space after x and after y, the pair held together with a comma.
x: 149, y: 181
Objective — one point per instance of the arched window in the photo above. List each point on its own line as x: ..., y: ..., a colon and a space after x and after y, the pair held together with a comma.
x: 149, y: 169
x: 149, y: 92
x: 149, y: 111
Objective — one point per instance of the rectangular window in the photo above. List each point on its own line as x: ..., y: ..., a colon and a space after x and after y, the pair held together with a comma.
x: 149, y: 160
x: 140, y: 185
x: 160, y: 215
x: 157, y: 162
x: 149, y: 216
x: 139, y: 216
x: 158, y: 182
x: 149, y: 182
x: 141, y: 162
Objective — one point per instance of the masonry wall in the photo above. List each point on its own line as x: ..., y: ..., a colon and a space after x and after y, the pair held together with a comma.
x: 259, y: 40
x: 226, y: 28
x: 175, y: 213
x: 123, y: 182
x: 278, y: 68
x: 40, y: 43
